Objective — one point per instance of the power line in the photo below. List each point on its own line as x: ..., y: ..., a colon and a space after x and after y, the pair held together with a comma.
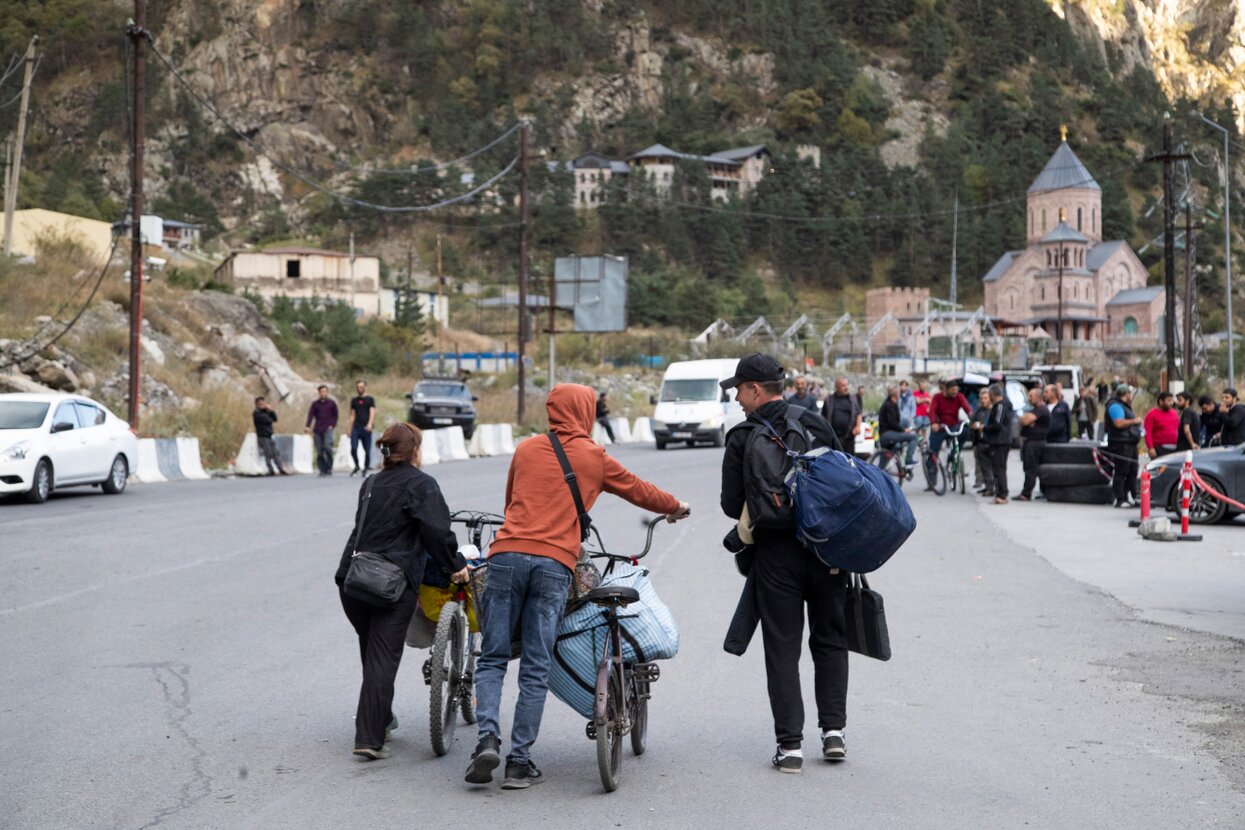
x: 22, y: 91
x: 433, y: 168
x: 307, y: 179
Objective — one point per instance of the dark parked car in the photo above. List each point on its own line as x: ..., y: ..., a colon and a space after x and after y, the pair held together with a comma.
x: 443, y: 402
x: 1222, y: 468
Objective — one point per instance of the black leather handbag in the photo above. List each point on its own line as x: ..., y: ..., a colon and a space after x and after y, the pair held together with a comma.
x: 372, y: 577
x: 866, y: 621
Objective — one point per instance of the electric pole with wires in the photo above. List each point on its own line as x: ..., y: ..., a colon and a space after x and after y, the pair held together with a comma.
x: 524, y: 127
x: 13, y: 173
x: 136, y: 31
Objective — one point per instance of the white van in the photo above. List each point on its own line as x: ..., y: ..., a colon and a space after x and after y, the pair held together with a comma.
x: 692, y: 407
x: 1067, y: 376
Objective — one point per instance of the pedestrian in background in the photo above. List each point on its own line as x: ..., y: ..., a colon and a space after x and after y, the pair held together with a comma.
x: 1034, y: 428
x: 603, y: 417
x: 983, y: 477
x: 321, y: 421
x: 1086, y: 411
x: 788, y: 581
x: 843, y: 413
x: 1212, y: 420
x: 860, y: 398
x: 1123, y: 430
x: 263, y: 418
x: 363, y: 408
x: 999, y: 436
x: 805, y: 396
x: 907, y: 406
x: 1162, y: 426
x: 920, y: 419
x: 407, y: 522
x: 1060, y: 415
x: 1233, y: 431
x: 1190, y: 435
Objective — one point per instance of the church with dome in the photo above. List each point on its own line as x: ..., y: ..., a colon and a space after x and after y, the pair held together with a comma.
x: 1106, y: 304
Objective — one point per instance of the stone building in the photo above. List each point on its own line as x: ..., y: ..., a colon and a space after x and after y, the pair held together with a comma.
x: 301, y: 273
x: 1068, y: 279
x: 733, y: 171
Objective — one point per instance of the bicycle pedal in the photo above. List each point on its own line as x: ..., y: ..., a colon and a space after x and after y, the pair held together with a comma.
x: 427, y: 672
x: 646, y: 672
x: 591, y: 731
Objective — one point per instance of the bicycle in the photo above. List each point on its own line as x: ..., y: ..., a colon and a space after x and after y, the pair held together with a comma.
x: 623, y: 689
x: 954, y: 473
x: 891, y: 461
x: 450, y: 668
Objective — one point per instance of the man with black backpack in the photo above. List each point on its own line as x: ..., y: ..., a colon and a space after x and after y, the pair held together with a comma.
x: 787, y: 576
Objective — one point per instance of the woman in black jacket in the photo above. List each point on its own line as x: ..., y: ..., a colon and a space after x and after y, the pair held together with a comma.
x: 406, y: 519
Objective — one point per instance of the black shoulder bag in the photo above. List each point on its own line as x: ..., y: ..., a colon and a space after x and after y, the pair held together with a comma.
x: 867, y: 633
x: 372, y: 577
x: 585, y: 521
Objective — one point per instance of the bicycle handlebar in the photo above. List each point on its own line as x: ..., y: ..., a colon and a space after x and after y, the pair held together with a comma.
x: 476, y: 521
x: 648, y: 544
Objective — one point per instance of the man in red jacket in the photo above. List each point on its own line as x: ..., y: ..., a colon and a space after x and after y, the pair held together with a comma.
x: 944, y: 411
x: 1162, y: 426
x: 529, y: 572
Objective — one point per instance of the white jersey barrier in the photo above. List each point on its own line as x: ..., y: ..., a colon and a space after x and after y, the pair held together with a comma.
x: 297, y: 453
x: 492, y: 439
x: 643, y: 432
x: 451, y: 446
x: 622, y: 432
x: 168, y: 459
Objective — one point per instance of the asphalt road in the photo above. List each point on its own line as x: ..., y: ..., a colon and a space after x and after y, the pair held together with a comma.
x: 176, y: 657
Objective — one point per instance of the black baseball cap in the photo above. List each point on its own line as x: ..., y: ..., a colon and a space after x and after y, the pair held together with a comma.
x: 755, y: 368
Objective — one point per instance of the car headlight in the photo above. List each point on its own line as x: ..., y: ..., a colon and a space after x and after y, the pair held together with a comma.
x: 16, y: 452
x: 659, y: 424
x: 712, y: 423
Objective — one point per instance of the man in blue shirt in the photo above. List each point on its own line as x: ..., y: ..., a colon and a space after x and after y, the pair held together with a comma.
x: 907, y: 405
x: 1123, y: 429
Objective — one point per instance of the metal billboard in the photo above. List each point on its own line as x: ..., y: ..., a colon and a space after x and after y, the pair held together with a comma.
x: 595, y: 288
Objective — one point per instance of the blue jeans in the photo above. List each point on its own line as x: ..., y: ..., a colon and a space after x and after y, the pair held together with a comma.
x: 360, y: 435
x: 524, y: 594
x: 324, y: 451
x: 891, y: 439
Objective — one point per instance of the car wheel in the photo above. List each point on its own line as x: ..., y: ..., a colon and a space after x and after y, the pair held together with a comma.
x: 692, y: 443
x: 719, y: 438
x: 118, y: 475
x: 661, y: 445
x: 41, y: 484
x: 1203, y: 509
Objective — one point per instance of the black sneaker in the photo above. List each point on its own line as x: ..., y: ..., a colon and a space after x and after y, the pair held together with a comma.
x: 832, y: 746
x: 484, y: 760
x: 788, y: 763
x: 521, y: 775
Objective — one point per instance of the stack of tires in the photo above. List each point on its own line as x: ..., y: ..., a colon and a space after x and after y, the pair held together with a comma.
x: 1069, y: 475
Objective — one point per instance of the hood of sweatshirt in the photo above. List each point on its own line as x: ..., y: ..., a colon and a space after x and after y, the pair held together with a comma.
x: 572, y: 409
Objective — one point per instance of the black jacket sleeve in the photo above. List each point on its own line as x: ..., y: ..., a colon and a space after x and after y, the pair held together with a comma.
x: 426, y: 507
x: 344, y: 564
x: 733, y: 471
x: 819, y: 428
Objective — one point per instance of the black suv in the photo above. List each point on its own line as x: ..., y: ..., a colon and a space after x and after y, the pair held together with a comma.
x: 443, y: 402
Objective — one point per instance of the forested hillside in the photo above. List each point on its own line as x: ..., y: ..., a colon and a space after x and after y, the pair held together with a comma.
x: 342, y: 88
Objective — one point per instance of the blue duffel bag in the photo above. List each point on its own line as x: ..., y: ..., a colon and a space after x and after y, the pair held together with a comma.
x: 649, y: 632
x: 851, y: 514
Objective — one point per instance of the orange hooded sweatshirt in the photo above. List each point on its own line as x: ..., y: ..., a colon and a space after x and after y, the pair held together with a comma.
x: 540, y: 514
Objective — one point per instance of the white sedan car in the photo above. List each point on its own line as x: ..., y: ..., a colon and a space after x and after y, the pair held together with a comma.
x: 54, y: 440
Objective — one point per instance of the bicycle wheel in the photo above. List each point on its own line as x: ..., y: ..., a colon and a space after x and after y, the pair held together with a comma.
x: 935, y: 475
x: 447, y: 667
x: 639, y: 717
x: 468, y: 690
x: 609, y: 730
x: 890, y: 462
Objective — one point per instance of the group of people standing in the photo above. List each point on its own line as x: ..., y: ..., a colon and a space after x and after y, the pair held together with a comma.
x: 321, y: 423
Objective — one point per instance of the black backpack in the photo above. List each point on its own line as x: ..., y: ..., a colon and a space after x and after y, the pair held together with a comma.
x: 768, y: 464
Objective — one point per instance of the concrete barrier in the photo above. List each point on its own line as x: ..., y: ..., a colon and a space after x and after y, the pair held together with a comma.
x: 492, y: 439
x: 507, y: 438
x: 148, y: 469
x: 622, y: 432
x: 190, y: 460
x: 643, y: 432
x: 342, y: 462
x: 451, y: 446
x: 297, y: 454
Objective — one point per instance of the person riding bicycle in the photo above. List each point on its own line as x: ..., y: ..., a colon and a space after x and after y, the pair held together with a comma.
x: 891, y: 432
x: 945, y: 411
x: 784, y: 577
x: 529, y: 572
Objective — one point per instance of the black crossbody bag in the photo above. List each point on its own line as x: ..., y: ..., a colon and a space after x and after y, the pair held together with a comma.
x: 372, y: 577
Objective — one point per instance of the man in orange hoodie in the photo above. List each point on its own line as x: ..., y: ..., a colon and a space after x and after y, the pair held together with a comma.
x: 529, y: 572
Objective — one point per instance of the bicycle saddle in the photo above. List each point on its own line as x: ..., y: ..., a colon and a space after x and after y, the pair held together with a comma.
x: 613, y: 595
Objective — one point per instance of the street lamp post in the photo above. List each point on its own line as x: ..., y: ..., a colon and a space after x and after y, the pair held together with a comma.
x: 1227, y: 241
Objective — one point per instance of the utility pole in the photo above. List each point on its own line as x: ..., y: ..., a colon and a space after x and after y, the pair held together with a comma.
x: 352, y: 300
x: 137, y: 32
x: 553, y: 327
x: 1189, y: 255
x: 8, y: 173
x: 440, y: 294
x: 955, y: 236
x: 524, y: 126
x: 13, y: 177
x: 1169, y: 159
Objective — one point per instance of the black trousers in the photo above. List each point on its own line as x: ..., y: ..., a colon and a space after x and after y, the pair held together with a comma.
x: 789, y: 578
x: 272, y: 457
x: 984, y: 472
x: 1124, y: 456
x: 848, y: 442
x: 1031, y: 458
x: 382, y: 637
x: 998, y: 464
x: 608, y: 427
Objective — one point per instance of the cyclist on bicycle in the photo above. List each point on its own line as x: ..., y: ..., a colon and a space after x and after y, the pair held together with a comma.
x: 891, y: 432
x: 529, y: 572
x: 945, y: 411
